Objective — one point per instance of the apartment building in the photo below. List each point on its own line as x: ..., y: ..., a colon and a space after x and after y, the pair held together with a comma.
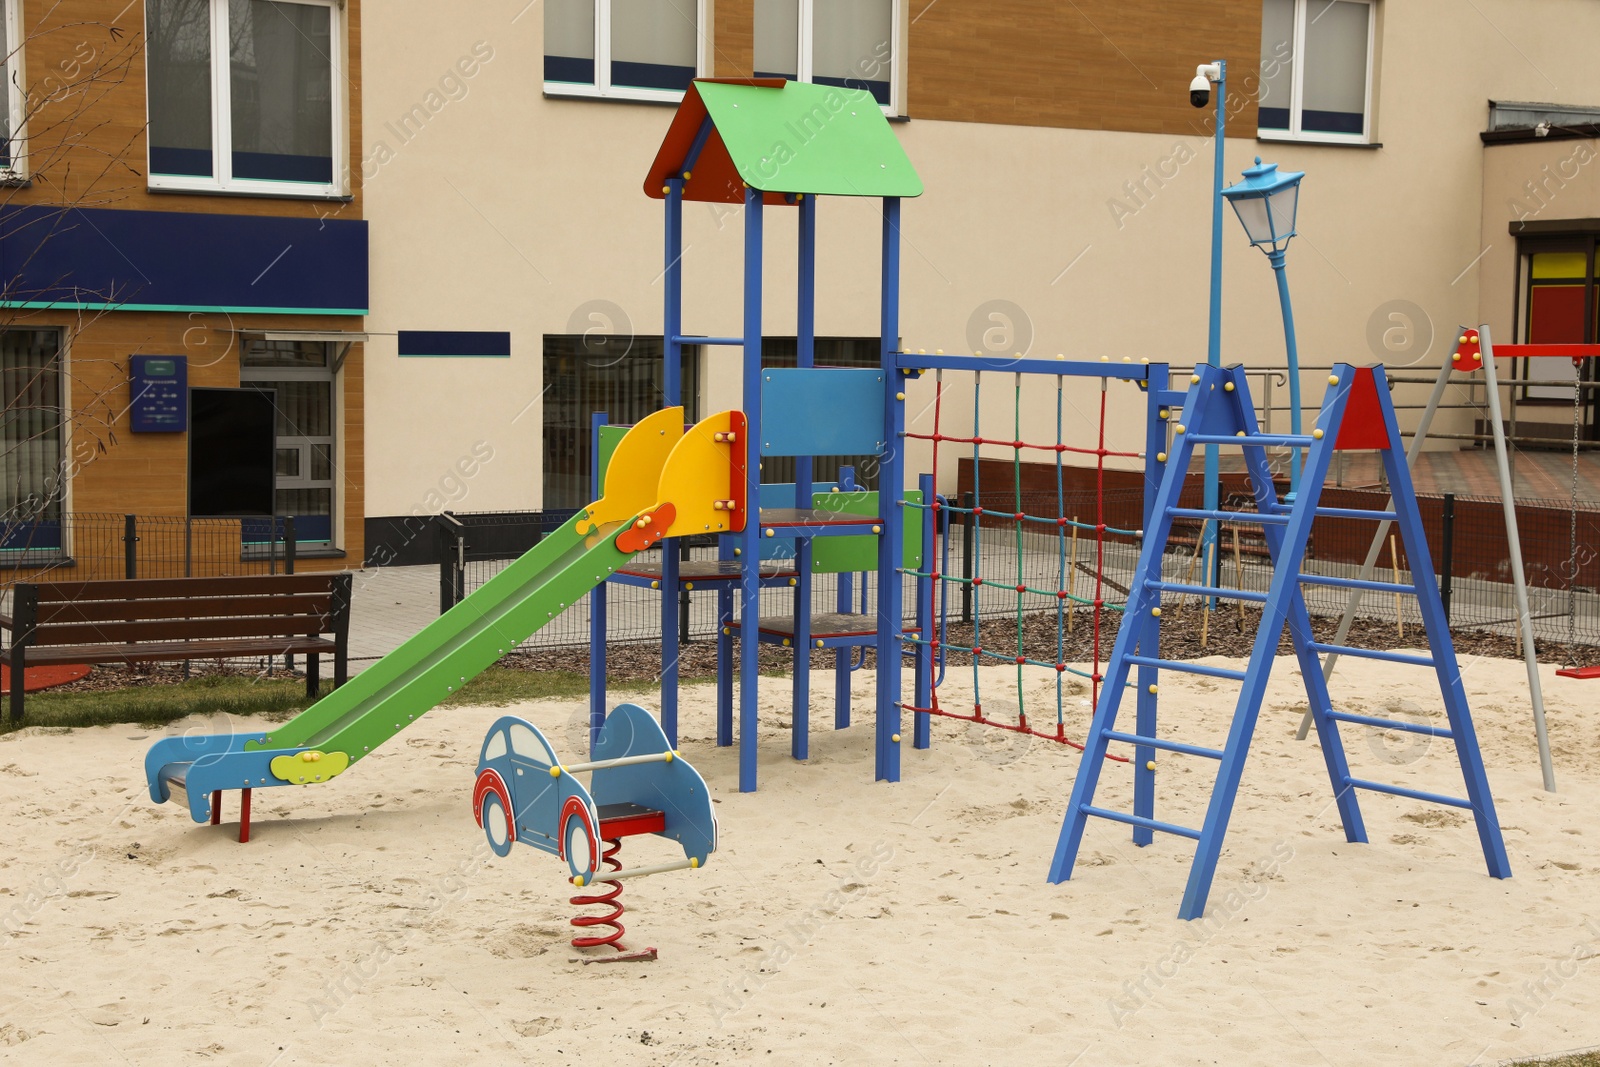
x: 181, y: 221
x: 517, y: 261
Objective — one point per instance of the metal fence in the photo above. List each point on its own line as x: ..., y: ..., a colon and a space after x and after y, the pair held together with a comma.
x: 1466, y: 541
x: 89, y: 546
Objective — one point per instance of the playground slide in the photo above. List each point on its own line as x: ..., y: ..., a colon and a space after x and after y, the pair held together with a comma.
x: 655, y: 458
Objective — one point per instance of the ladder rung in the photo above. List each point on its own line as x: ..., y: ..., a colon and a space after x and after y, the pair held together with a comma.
x: 1390, y: 724
x: 1359, y: 583
x: 1170, y: 746
x: 1206, y: 590
x: 1374, y: 653
x: 1227, y: 516
x: 1190, y: 668
x: 1269, y: 439
x: 1412, y: 794
x: 1140, y: 820
x: 1357, y: 513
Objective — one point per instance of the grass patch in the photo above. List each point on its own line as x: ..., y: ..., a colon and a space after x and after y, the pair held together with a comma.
x: 157, y: 705
x: 1579, y: 1059
x: 280, y: 698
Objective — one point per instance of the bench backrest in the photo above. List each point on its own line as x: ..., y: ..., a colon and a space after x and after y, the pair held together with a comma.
x: 179, y: 609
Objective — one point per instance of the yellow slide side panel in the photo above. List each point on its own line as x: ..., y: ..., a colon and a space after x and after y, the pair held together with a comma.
x: 698, y: 477
x: 635, y: 468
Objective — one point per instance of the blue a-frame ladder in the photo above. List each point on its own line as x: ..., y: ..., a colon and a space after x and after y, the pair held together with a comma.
x: 1356, y: 415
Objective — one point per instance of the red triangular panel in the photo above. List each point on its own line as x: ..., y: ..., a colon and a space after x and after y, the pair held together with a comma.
x: 1362, y: 425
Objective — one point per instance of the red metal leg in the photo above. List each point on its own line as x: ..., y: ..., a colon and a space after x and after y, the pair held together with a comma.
x: 216, y: 807
x: 244, y: 817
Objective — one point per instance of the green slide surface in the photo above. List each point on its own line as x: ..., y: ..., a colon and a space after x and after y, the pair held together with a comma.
x: 457, y: 646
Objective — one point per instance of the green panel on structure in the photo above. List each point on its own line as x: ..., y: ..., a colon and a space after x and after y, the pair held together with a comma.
x: 835, y: 555
x: 806, y: 138
x: 609, y: 436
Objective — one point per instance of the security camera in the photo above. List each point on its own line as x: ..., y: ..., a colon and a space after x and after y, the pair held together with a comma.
x: 1200, y: 91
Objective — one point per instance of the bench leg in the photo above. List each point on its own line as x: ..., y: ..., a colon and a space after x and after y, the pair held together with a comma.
x: 313, y: 669
x: 244, y: 817
x: 341, y: 669
x: 216, y: 807
x: 18, y: 668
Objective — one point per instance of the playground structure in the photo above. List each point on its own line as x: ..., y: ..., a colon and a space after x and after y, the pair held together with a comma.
x: 638, y: 785
x: 658, y: 482
x: 668, y: 480
x: 721, y: 148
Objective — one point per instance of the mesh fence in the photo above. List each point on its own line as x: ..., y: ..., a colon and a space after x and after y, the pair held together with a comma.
x: 1561, y: 553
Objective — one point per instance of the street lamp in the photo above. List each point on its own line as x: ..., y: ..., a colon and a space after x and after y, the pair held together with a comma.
x: 1266, y: 202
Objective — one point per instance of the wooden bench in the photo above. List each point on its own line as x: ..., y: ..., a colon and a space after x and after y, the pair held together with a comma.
x: 179, y: 619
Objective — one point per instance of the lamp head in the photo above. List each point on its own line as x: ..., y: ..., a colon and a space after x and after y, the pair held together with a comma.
x: 1266, y: 202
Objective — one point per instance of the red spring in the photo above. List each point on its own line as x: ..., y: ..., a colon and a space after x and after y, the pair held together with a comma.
x: 583, y: 922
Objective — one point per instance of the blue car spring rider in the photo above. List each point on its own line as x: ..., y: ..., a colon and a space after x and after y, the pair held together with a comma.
x: 637, y: 785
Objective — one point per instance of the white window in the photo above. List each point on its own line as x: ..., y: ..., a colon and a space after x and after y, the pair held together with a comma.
x: 246, y: 96
x: 849, y: 43
x: 1316, y: 70
x: 12, y: 113
x: 624, y: 49
x: 303, y: 380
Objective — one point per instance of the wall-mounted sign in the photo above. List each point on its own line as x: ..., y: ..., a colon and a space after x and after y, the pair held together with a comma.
x: 158, y: 387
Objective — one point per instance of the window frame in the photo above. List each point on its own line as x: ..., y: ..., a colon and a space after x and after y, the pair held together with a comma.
x: 804, y: 62
x: 1296, y: 85
x: 15, y: 167
x: 222, y: 179
x: 602, y: 89
x: 305, y: 443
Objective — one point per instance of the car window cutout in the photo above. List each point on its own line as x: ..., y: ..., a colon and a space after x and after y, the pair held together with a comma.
x: 496, y: 746
x: 526, y: 743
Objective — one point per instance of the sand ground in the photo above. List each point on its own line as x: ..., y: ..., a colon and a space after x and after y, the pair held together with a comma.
x: 842, y: 920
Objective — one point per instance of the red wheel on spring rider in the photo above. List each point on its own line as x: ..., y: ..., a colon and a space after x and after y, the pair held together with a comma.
x: 613, y: 939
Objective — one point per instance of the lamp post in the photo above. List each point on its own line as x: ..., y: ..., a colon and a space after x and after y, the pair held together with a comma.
x: 1205, y: 76
x: 1266, y: 202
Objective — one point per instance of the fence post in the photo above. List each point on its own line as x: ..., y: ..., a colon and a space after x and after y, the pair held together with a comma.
x: 130, y: 546
x: 452, y: 562
x: 683, y: 596
x: 288, y: 544
x: 966, y: 556
x: 1447, y: 551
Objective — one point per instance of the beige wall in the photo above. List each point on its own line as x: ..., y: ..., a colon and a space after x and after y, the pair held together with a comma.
x: 511, y: 211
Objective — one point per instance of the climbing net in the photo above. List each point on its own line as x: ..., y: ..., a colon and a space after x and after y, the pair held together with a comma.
x: 989, y: 643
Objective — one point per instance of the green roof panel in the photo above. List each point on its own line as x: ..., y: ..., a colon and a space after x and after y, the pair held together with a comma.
x: 796, y: 137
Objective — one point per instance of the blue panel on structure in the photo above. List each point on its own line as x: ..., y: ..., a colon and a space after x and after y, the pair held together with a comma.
x: 822, y: 411
x: 97, y: 258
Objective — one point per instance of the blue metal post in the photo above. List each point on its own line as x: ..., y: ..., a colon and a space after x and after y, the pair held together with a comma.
x: 1275, y: 257
x: 891, y: 488
x: 805, y: 356
x: 1214, y: 331
x: 597, y: 604
x: 842, y: 657
x: 672, y: 383
x: 923, y: 687
x: 749, y: 540
x: 1155, y: 450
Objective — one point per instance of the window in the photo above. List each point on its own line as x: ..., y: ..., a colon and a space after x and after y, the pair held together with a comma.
x: 529, y: 745
x: 626, y: 49
x: 301, y: 376
x: 1561, y: 306
x: 12, y: 110
x: 589, y: 373
x: 245, y: 95
x: 849, y: 43
x: 32, y: 476
x: 1316, y: 70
